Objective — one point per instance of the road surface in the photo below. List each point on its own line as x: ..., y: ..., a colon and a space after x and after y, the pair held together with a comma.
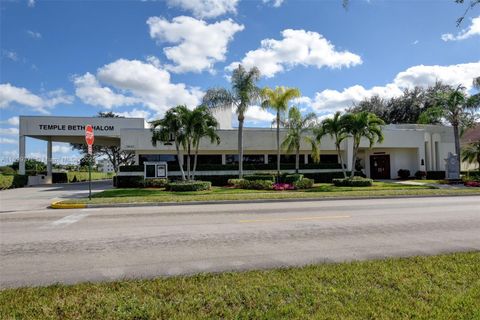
x: 40, y: 247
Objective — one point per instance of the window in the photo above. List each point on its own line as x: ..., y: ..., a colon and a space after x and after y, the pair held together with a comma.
x: 247, y: 158
x: 284, y: 158
x: 168, y: 158
x: 206, y: 159
x: 325, y: 158
x: 150, y: 171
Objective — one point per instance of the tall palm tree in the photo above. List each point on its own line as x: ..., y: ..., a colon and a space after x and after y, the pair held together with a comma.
x: 335, y: 128
x: 244, y: 92
x: 362, y: 125
x: 205, y: 126
x: 471, y: 153
x: 277, y: 100
x: 168, y: 128
x: 456, y: 108
x: 297, y: 127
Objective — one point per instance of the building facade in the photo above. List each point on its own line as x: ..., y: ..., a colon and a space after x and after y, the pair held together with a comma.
x: 405, y: 146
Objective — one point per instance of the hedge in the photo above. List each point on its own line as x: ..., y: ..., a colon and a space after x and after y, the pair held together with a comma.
x: 435, y: 175
x: 9, y: 181
x: 260, y: 176
x: 292, y: 178
x: 59, y: 177
x: 182, y: 186
x: 7, y: 170
x: 303, y: 183
x: 128, y: 182
x: 155, y: 183
x: 353, y: 182
x: 403, y: 174
x: 256, y: 184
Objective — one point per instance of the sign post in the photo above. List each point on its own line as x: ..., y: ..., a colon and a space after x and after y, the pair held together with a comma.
x: 89, y: 139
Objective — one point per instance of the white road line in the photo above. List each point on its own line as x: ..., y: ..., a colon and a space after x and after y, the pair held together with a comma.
x: 69, y: 219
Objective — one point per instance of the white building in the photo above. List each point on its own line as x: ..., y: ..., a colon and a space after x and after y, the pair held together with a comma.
x: 105, y: 165
x: 412, y: 147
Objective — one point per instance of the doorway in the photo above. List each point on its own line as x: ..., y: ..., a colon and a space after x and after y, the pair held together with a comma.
x: 380, y: 166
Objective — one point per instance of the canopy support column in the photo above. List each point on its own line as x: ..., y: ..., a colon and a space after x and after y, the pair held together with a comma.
x: 21, y: 155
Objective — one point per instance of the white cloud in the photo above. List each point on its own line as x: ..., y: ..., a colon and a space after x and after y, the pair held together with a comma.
x: 31, y: 3
x: 199, y: 45
x: 14, y: 121
x: 34, y: 34
x: 472, y: 30
x: 10, y: 95
x: 9, y: 131
x: 334, y: 100
x: 257, y: 114
x: 275, y: 3
x: 138, y: 83
x: 298, y: 47
x: 12, y: 55
x: 8, y: 141
x: 206, y: 8
x: 61, y: 148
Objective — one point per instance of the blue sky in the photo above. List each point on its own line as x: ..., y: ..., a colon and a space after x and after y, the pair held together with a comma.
x: 137, y: 58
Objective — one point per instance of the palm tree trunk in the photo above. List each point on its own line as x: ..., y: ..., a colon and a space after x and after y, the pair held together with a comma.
x: 195, y: 159
x: 240, y: 145
x: 278, y: 146
x: 457, y: 145
x: 340, y: 158
x: 188, y: 162
x: 297, y: 160
x: 354, y: 157
x: 179, y: 159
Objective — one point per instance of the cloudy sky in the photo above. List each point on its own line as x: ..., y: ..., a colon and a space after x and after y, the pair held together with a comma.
x: 138, y: 58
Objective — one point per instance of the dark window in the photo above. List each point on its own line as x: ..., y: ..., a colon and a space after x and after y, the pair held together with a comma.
x: 247, y: 158
x: 169, y: 158
x: 325, y: 158
x: 206, y: 159
x: 284, y: 158
x: 150, y: 171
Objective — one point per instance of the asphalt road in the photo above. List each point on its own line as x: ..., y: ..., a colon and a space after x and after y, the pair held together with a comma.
x: 40, y: 247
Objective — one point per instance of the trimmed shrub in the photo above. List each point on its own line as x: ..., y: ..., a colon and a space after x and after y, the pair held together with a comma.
x: 155, y: 183
x: 353, y: 182
x: 256, y: 184
x: 260, y: 176
x: 403, y: 173
x: 218, y: 181
x: 182, y: 186
x: 420, y: 175
x: 59, y: 177
x: 292, y: 178
x: 9, y: 181
x: 435, y: 175
x: 304, y: 183
x: 234, y: 182
x: 7, y: 170
x: 129, y: 182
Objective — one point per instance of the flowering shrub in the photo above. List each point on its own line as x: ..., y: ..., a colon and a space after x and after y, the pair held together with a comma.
x: 283, y: 186
x: 472, y: 184
x: 304, y: 183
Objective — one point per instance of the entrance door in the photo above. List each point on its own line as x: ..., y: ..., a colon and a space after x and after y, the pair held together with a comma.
x: 380, y: 166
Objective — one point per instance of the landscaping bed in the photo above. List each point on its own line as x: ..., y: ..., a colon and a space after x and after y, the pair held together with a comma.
x: 436, y: 287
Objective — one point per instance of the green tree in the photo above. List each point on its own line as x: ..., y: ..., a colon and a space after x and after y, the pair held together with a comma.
x: 297, y: 128
x: 244, y: 92
x: 113, y: 153
x: 456, y: 108
x: 362, y: 125
x: 278, y: 100
x: 335, y: 128
x: 471, y: 153
x: 205, y: 126
x: 170, y: 128
x: 31, y: 165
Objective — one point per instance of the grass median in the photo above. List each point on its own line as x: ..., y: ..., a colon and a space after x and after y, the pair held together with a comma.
x: 379, y: 189
x: 436, y: 287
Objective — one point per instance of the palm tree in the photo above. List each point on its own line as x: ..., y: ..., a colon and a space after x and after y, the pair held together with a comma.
x: 205, y: 126
x: 471, y: 153
x: 335, y: 128
x: 457, y: 108
x: 278, y: 101
x: 168, y: 128
x: 244, y: 92
x: 362, y: 125
x: 297, y: 127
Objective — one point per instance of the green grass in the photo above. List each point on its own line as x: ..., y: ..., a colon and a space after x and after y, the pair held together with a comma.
x: 322, y: 190
x: 83, y: 175
x: 438, y: 287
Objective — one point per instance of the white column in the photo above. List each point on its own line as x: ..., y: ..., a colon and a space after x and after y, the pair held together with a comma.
x: 305, y: 157
x: 21, y: 155
x: 224, y: 158
x: 49, y: 157
x: 421, y: 156
x: 265, y: 158
x: 348, y: 153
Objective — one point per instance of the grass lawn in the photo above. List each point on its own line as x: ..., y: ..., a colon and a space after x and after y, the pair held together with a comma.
x: 322, y: 190
x: 438, y: 287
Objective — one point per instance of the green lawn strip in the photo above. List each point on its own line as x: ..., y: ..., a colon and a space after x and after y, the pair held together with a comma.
x: 436, y: 287
x: 218, y: 193
x: 83, y: 175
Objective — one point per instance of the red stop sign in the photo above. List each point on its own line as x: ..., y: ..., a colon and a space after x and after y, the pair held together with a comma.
x: 89, y: 138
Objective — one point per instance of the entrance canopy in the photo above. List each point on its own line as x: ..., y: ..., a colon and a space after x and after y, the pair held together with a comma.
x: 71, y: 130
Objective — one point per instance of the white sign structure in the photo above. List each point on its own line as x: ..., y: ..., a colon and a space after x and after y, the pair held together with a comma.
x: 155, y: 170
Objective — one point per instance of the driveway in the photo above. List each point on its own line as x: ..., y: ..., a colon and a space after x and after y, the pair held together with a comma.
x: 40, y: 197
x: 42, y: 247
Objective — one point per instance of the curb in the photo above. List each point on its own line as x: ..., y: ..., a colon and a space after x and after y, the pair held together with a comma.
x: 57, y: 205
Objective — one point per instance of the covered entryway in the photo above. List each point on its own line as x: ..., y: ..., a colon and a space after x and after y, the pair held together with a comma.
x: 380, y: 166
